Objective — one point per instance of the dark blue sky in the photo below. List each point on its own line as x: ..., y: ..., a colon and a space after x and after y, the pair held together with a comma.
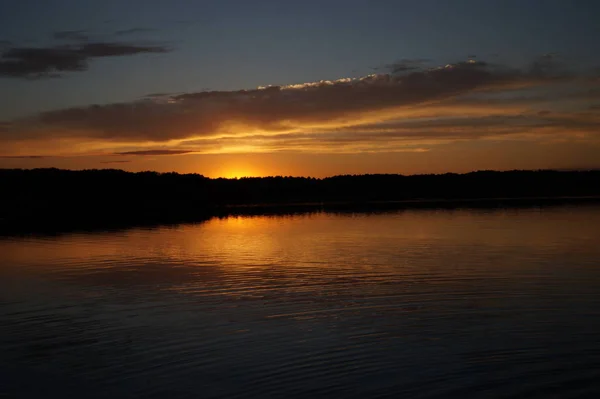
x: 234, y: 44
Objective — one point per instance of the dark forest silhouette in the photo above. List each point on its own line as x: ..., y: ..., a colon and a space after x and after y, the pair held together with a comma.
x: 54, y: 198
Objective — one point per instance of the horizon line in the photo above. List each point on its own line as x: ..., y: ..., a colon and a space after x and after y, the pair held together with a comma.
x: 556, y: 170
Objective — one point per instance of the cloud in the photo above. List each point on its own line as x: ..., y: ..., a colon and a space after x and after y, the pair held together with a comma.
x: 23, y: 156
x: 154, y: 152
x: 77, y: 35
x: 43, y: 62
x: 134, y: 31
x: 406, y: 65
x: 158, y: 96
x: 410, y: 111
x: 551, y: 64
x: 279, y: 108
x: 119, y: 161
x: 411, y: 135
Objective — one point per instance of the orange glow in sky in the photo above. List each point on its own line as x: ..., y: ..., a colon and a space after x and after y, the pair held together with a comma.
x: 237, y: 171
x: 465, y: 117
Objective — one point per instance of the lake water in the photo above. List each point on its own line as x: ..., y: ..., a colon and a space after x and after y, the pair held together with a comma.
x: 417, y: 304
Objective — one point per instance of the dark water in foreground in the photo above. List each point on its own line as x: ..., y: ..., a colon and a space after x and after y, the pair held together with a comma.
x: 420, y: 304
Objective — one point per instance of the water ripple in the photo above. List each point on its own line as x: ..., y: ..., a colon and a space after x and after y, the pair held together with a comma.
x: 422, y: 304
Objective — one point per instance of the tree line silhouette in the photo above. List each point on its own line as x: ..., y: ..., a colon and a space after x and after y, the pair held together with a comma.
x: 53, y: 197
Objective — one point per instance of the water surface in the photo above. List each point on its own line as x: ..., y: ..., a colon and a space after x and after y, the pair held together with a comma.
x: 423, y: 304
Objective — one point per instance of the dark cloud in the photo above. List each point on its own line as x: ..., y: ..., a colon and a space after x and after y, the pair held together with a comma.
x: 589, y: 94
x: 40, y: 62
x: 441, y: 126
x: 489, y: 124
x: 154, y: 95
x: 154, y: 152
x: 23, y: 156
x: 575, y: 92
x: 76, y: 35
x: 404, y: 136
x: 107, y: 49
x: 471, y: 100
x: 550, y: 64
x: 134, y: 31
x: 399, y: 137
x: 594, y: 107
x: 407, y: 65
x: 278, y: 108
x: 157, y: 96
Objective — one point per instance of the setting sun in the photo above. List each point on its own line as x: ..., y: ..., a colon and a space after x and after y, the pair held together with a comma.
x: 238, y: 172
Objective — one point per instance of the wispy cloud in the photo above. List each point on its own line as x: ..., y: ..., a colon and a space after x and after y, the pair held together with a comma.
x: 114, y: 162
x: 43, y: 62
x: 406, y: 65
x: 23, y: 156
x: 154, y: 152
x: 409, y: 110
x: 279, y: 108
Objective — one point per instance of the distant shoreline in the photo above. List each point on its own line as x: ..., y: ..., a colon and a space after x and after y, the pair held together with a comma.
x: 54, y: 200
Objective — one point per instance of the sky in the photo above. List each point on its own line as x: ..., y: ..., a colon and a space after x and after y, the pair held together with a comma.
x: 237, y: 88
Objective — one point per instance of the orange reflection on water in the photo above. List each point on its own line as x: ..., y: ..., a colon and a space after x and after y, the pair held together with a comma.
x: 338, y: 243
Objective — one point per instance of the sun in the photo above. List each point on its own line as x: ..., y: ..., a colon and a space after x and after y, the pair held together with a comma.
x: 239, y: 172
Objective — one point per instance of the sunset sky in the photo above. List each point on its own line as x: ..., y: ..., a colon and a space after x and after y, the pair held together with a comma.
x: 307, y: 88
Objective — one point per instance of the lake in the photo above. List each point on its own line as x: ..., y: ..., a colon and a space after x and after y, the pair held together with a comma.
x: 470, y: 303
